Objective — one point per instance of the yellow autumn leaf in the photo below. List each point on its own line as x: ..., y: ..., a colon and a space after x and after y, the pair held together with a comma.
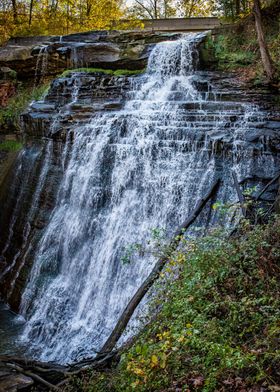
x: 154, y: 361
x: 138, y: 372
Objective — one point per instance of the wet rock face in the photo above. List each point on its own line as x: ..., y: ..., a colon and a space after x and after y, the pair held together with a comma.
x: 71, y: 103
x: 28, y: 196
x: 73, y: 100
x: 111, y: 50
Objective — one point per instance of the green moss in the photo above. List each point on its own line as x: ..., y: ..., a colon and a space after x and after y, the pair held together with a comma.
x: 9, y: 116
x: 10, y: 145
x: 128, y: 72
x: 118, y: 72
x: 218, y: 324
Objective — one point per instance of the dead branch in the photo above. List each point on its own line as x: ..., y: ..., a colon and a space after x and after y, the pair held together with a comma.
x: 143, y: 289
x: 239, y: 193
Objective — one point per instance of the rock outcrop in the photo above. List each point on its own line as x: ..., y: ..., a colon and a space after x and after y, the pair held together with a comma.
x: 48, y: 56
x: 73, y: 100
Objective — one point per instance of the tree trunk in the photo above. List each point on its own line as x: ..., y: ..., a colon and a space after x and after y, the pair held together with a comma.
x: 15, y: 14
x: 30, y: 12
x: 165, y: 8
x: 54, y: 6
x: 88, y: 7
x: 266, y: 59
x: 143, y: 289
x: 189, y: 15
x: 237, y: 7
x: 155, y: 9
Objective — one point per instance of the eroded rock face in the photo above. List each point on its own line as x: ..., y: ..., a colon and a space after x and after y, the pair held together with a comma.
x: 28, y: 194
x: 71, y: 103
x: 73, y: 100
x: 46, y: 56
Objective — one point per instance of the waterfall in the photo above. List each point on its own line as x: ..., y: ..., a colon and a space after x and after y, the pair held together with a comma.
x: 128, y: 172
x: 41, y: 65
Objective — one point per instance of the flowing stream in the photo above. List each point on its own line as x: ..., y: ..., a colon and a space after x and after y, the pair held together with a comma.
x: 128, y: 172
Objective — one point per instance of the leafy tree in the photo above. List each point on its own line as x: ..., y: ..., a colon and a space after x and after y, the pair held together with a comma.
x: 31, y: 17
x: 191, y: 8
x: 152, y: 9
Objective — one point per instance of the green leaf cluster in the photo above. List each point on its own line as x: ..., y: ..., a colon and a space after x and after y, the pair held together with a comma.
x: 10, y: 146
x: 218, y: 319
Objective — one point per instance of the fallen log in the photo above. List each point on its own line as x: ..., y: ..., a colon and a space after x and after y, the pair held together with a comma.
x: 143, y: 289
x: 275, y: 178
x: 239, y: 194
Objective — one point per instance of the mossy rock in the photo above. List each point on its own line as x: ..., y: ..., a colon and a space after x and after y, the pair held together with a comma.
x: 118, y: 72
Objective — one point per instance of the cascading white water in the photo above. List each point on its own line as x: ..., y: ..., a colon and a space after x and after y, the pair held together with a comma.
x: 130, y: 171
x: 41, y: 65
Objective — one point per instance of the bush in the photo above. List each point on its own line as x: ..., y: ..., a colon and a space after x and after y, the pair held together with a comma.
x: 10, y: 145
x: 217, y: 326
x: 9, y: 116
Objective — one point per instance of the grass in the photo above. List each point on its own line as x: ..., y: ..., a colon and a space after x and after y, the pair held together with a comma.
x: 118, y: 72
x: 10, y: 115
x: 10, y: 146
x: 218, y: 321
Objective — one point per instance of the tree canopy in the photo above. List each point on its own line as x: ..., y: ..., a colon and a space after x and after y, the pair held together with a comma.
x: 59, y: 17
x: 39, y: 17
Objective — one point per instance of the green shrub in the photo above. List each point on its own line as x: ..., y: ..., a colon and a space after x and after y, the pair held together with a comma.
x: 218, y: 326
x: 230, y: 51
x: 18, y: 103
x: 10, y: 145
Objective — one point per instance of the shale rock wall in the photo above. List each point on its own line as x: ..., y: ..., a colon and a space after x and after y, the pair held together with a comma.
x: 102, y: 49
x: 71, y: 102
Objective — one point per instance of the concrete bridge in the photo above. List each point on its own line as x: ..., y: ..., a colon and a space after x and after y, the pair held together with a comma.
x: 181, y: 24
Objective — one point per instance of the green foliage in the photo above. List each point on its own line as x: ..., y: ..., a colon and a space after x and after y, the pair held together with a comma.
x: 10, y: 145
x: 218, y: 326
x: 130, y: 251
x: 21, y: 18
x: 118, y: 72
x: 156, y: 245
x: 237, y: 49
x: 230, y: 53
x: 9, y: 116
